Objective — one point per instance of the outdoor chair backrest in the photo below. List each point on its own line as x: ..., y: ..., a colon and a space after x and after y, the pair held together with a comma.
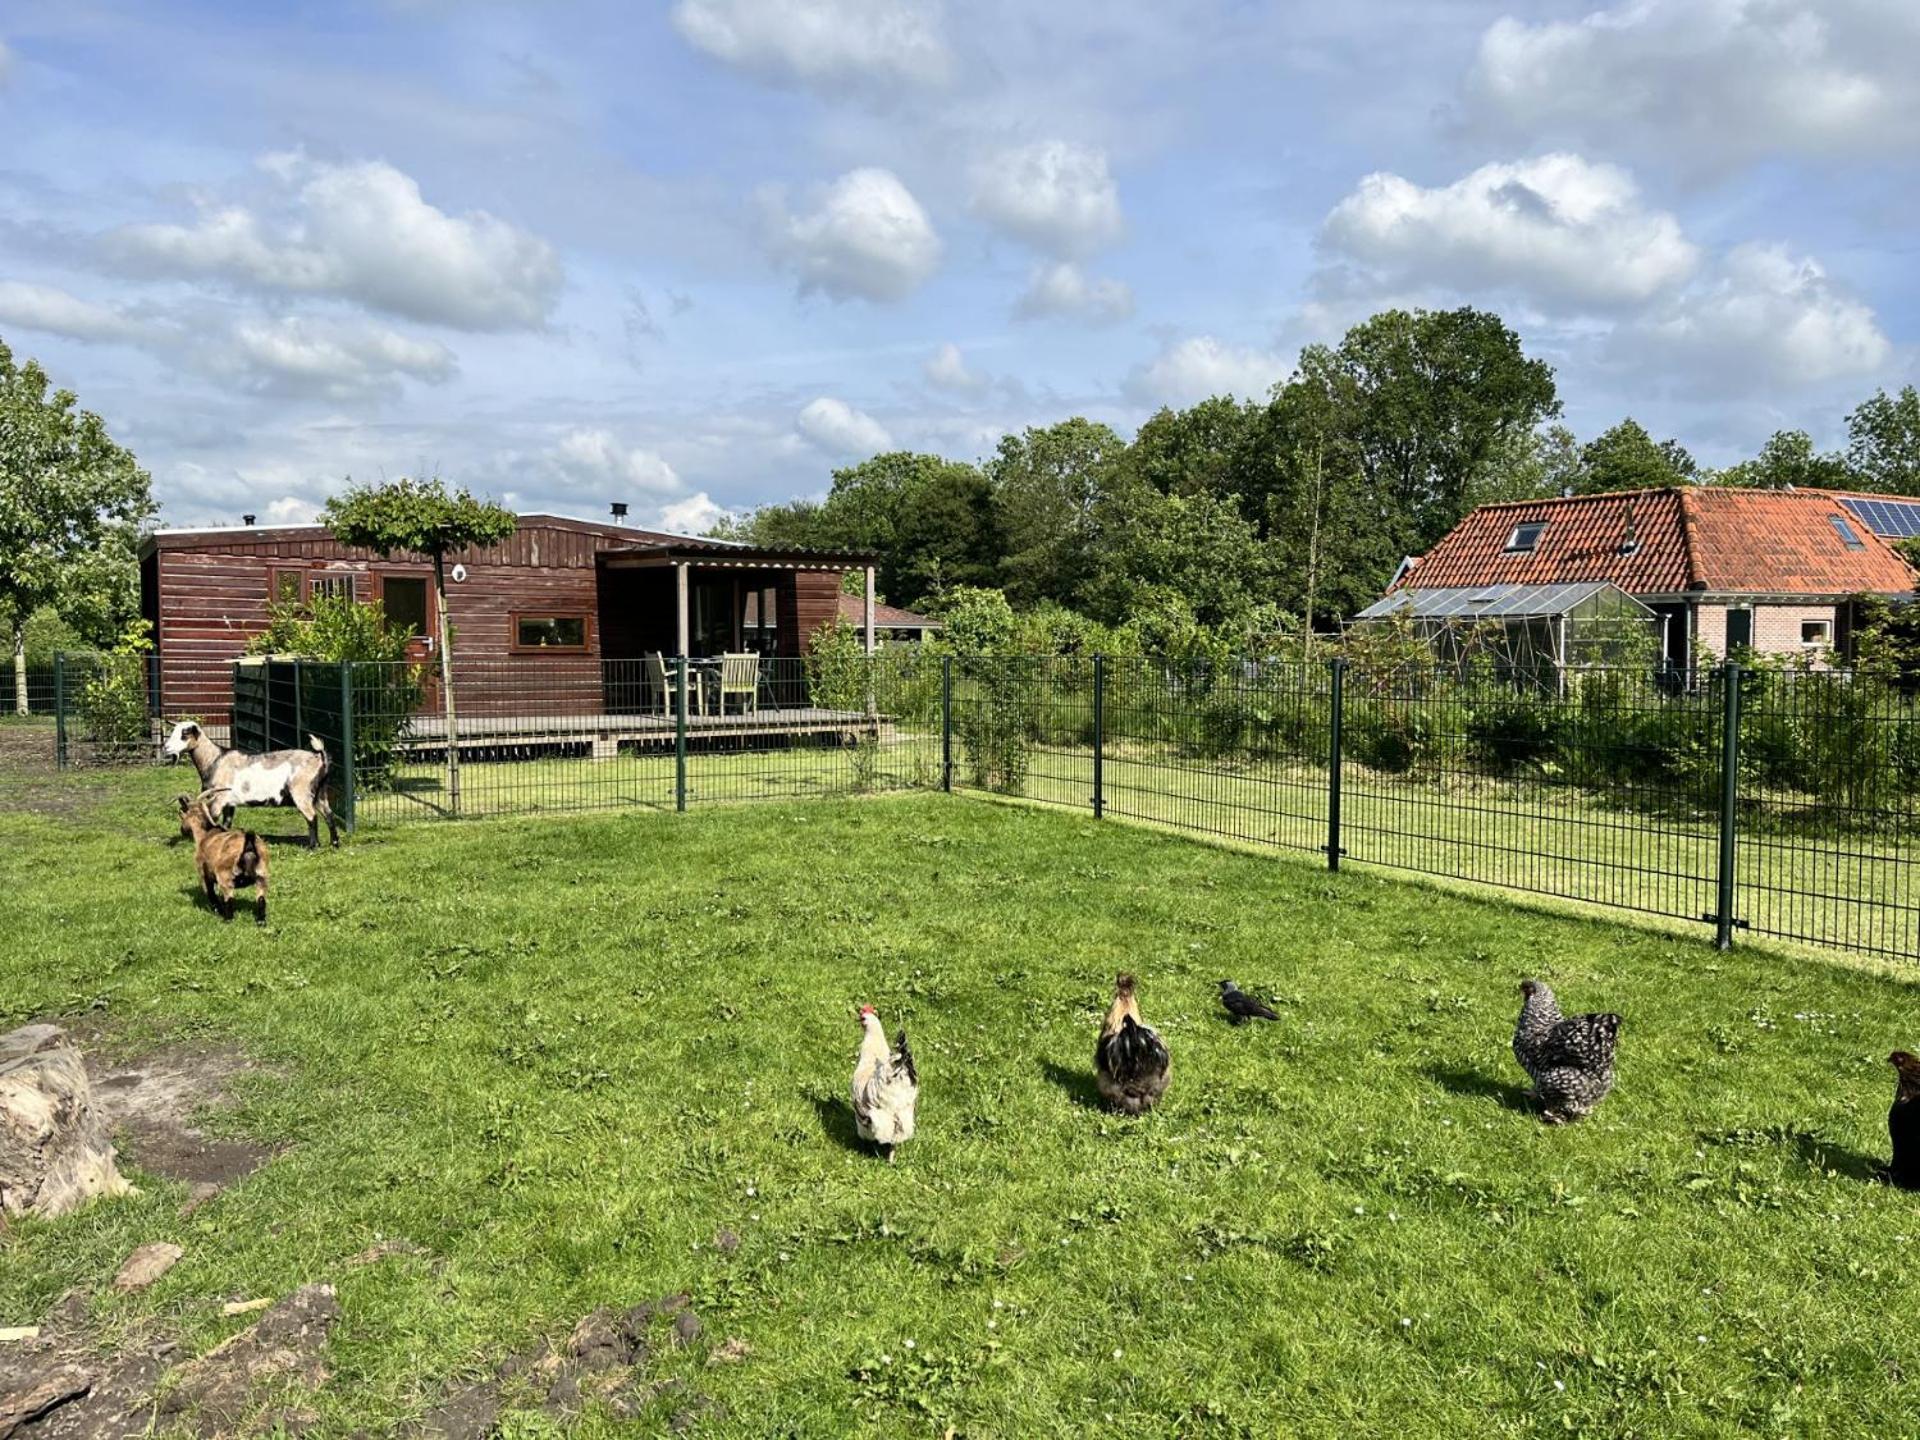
x: 739, y: 674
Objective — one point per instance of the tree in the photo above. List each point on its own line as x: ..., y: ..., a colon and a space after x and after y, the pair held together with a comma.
x: 1883, y: 443
x: 422, y: 517
x: 1046, y: 485
x: 1627, y: 458
x: 69, y: 498
x: 932, y: 521
x: 1432, y: 400
x: 1788, y: 459
x: 1198, y: 547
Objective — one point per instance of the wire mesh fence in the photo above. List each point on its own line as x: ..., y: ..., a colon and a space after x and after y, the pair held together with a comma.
x: 1781, y: 802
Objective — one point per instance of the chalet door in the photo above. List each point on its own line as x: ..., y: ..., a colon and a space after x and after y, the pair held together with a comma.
x: 407, y: 601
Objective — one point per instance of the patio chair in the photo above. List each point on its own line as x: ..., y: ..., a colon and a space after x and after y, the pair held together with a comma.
x: 740, y: 675
x: 660, y: 678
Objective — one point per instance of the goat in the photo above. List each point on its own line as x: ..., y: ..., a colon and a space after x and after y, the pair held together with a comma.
x: 280, y: 777
x: 227, y: 860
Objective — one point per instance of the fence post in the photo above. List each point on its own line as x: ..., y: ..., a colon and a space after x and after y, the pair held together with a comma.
x: 1723, y: 920
x: 1099, y: 736
x: 1337, y: 706
x: 680, y: 733
x: 60, y: 709
x: 153, y: 691
x: 946, y: 723
x: 348, y: 780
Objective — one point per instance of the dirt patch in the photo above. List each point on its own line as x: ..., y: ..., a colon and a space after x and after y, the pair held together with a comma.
x: 99, y: 1397
x: 606, y: 1357
x: 150, y: 1102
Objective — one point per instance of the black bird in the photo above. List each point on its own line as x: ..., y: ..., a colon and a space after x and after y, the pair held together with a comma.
x: 1242, y: 1006
x: 1903, y: 1122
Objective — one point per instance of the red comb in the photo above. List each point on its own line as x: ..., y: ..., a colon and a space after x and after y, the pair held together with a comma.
x: 868, y: 1010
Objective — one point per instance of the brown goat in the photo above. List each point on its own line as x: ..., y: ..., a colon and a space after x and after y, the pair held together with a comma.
x: 228, y: 860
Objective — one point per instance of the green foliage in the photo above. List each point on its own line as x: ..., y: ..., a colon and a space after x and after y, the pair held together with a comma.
x: 976, y: 621
x: 70, y: 502
x: 113, y: 697
x: 387, y: 688
x: 1627, y: 458
x: 1788, y: 460
x: 1047, y: 487
x: 415, y: 517
x: 1883, y: 443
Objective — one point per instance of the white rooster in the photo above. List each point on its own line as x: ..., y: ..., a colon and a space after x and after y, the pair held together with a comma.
x: 886, y: 1089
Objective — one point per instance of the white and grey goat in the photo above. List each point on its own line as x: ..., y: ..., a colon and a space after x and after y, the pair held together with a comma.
x: 280, y: 777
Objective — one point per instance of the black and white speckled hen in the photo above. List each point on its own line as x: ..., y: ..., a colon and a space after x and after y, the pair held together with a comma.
x: 1130, y: 1063
x: 1568, y: 1058
x: 1903, y: 1122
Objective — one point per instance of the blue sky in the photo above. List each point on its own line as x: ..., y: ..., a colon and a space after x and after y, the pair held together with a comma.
x: 693, y: 255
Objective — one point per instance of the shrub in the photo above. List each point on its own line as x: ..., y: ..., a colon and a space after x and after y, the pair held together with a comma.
x: 113, y: 697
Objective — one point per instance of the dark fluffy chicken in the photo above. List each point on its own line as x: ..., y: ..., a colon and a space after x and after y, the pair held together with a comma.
x: 1130, y: 1063
x: 1903, y: 1122
x: 1568, y: 1058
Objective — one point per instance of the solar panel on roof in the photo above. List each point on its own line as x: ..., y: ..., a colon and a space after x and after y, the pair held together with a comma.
x: 1893, y: 518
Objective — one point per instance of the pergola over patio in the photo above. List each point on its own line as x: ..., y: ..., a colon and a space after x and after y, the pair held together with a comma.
x: 689, y: 597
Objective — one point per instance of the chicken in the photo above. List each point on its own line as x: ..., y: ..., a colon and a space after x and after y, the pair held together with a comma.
x: 1568, y: 1058
x: 1130, y: 1063
x: 1903, y: 1122
x: 1242, y: 1006
x: 886, y: 1088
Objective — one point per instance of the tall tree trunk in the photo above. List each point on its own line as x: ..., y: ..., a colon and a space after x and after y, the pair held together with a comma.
x: 446, y: 679
x: 19, y: 667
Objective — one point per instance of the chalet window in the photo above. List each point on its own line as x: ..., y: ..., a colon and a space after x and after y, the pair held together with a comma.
x: 549, y: 632
x: 404, y: 600
x: 1845, y: 531
x: 332, y: 586
x: 1525, y: 538
x: 1816, y: 632
x: 287, y: 587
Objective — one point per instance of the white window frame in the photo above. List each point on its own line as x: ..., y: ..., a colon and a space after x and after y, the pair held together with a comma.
x: 1826, y: 633
x: 1514, y: 547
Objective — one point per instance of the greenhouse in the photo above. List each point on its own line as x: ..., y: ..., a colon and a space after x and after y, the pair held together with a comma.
x: 1527, y: 633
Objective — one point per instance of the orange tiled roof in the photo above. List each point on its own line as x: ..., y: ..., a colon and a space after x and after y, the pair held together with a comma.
x: 885, y: 617
x: 1700, y: 537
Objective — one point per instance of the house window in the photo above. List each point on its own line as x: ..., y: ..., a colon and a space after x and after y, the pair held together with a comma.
x: 1845, y: 532
x: 332, y: 586
x: 549, y: 632
x: 1525, y: 539
x: 286, y: 587
x: 1816, y: 632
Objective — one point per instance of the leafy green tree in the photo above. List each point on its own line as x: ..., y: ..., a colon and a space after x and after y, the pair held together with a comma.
x: 1047, y: 485
x: 1198, y: 547
x: 1788, y: 459
x: 977, y: 620
x: 1883, y: 443
x: 1534, y: 465
x: 1432, y: 399
x: 1628, y: 458
x: 790, y: 524
x: 70, y: 498
x: 932, y: 521
x: 1209, y: 449
x: 422, y: 517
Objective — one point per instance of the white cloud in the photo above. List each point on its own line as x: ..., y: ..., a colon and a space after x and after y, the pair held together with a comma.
x: 290, y: 510
x: 1200, y: 366
x: 43, y: 307
x: 360, y: 232
x: 595, y: 457
x: 1708, y: 80
x: 822, y: 43
x: 866, y: 238
x: 1559, y: 230
x: 1064, y: 289
x: 340, y: 361
x: 839, y: 429
x: 1053, y: 194
x: 946, y: 369
x: 1763, y: 315
x: 694, y: 515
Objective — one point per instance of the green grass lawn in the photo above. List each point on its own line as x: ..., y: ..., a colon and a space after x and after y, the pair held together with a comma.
x: 562, y: 1054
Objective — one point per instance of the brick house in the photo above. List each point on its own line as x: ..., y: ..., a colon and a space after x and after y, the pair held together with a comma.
x: 1777, y: 570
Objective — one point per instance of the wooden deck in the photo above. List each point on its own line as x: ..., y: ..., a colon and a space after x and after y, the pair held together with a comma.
x: 603, y: 735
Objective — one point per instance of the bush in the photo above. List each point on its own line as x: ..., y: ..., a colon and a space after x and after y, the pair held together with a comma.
x: 387, y: 688
x: 113, y: 697
x: 994, y: 711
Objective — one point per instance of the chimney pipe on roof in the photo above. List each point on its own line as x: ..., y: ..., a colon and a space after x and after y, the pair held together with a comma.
x: 619, y: 509
x: 246, y: 519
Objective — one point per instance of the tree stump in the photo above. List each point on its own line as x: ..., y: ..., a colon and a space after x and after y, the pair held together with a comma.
x: 54, y: 1152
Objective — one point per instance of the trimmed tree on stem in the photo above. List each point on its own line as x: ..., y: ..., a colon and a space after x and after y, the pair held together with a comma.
x: 422, y: 517
x: 65, y: 489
